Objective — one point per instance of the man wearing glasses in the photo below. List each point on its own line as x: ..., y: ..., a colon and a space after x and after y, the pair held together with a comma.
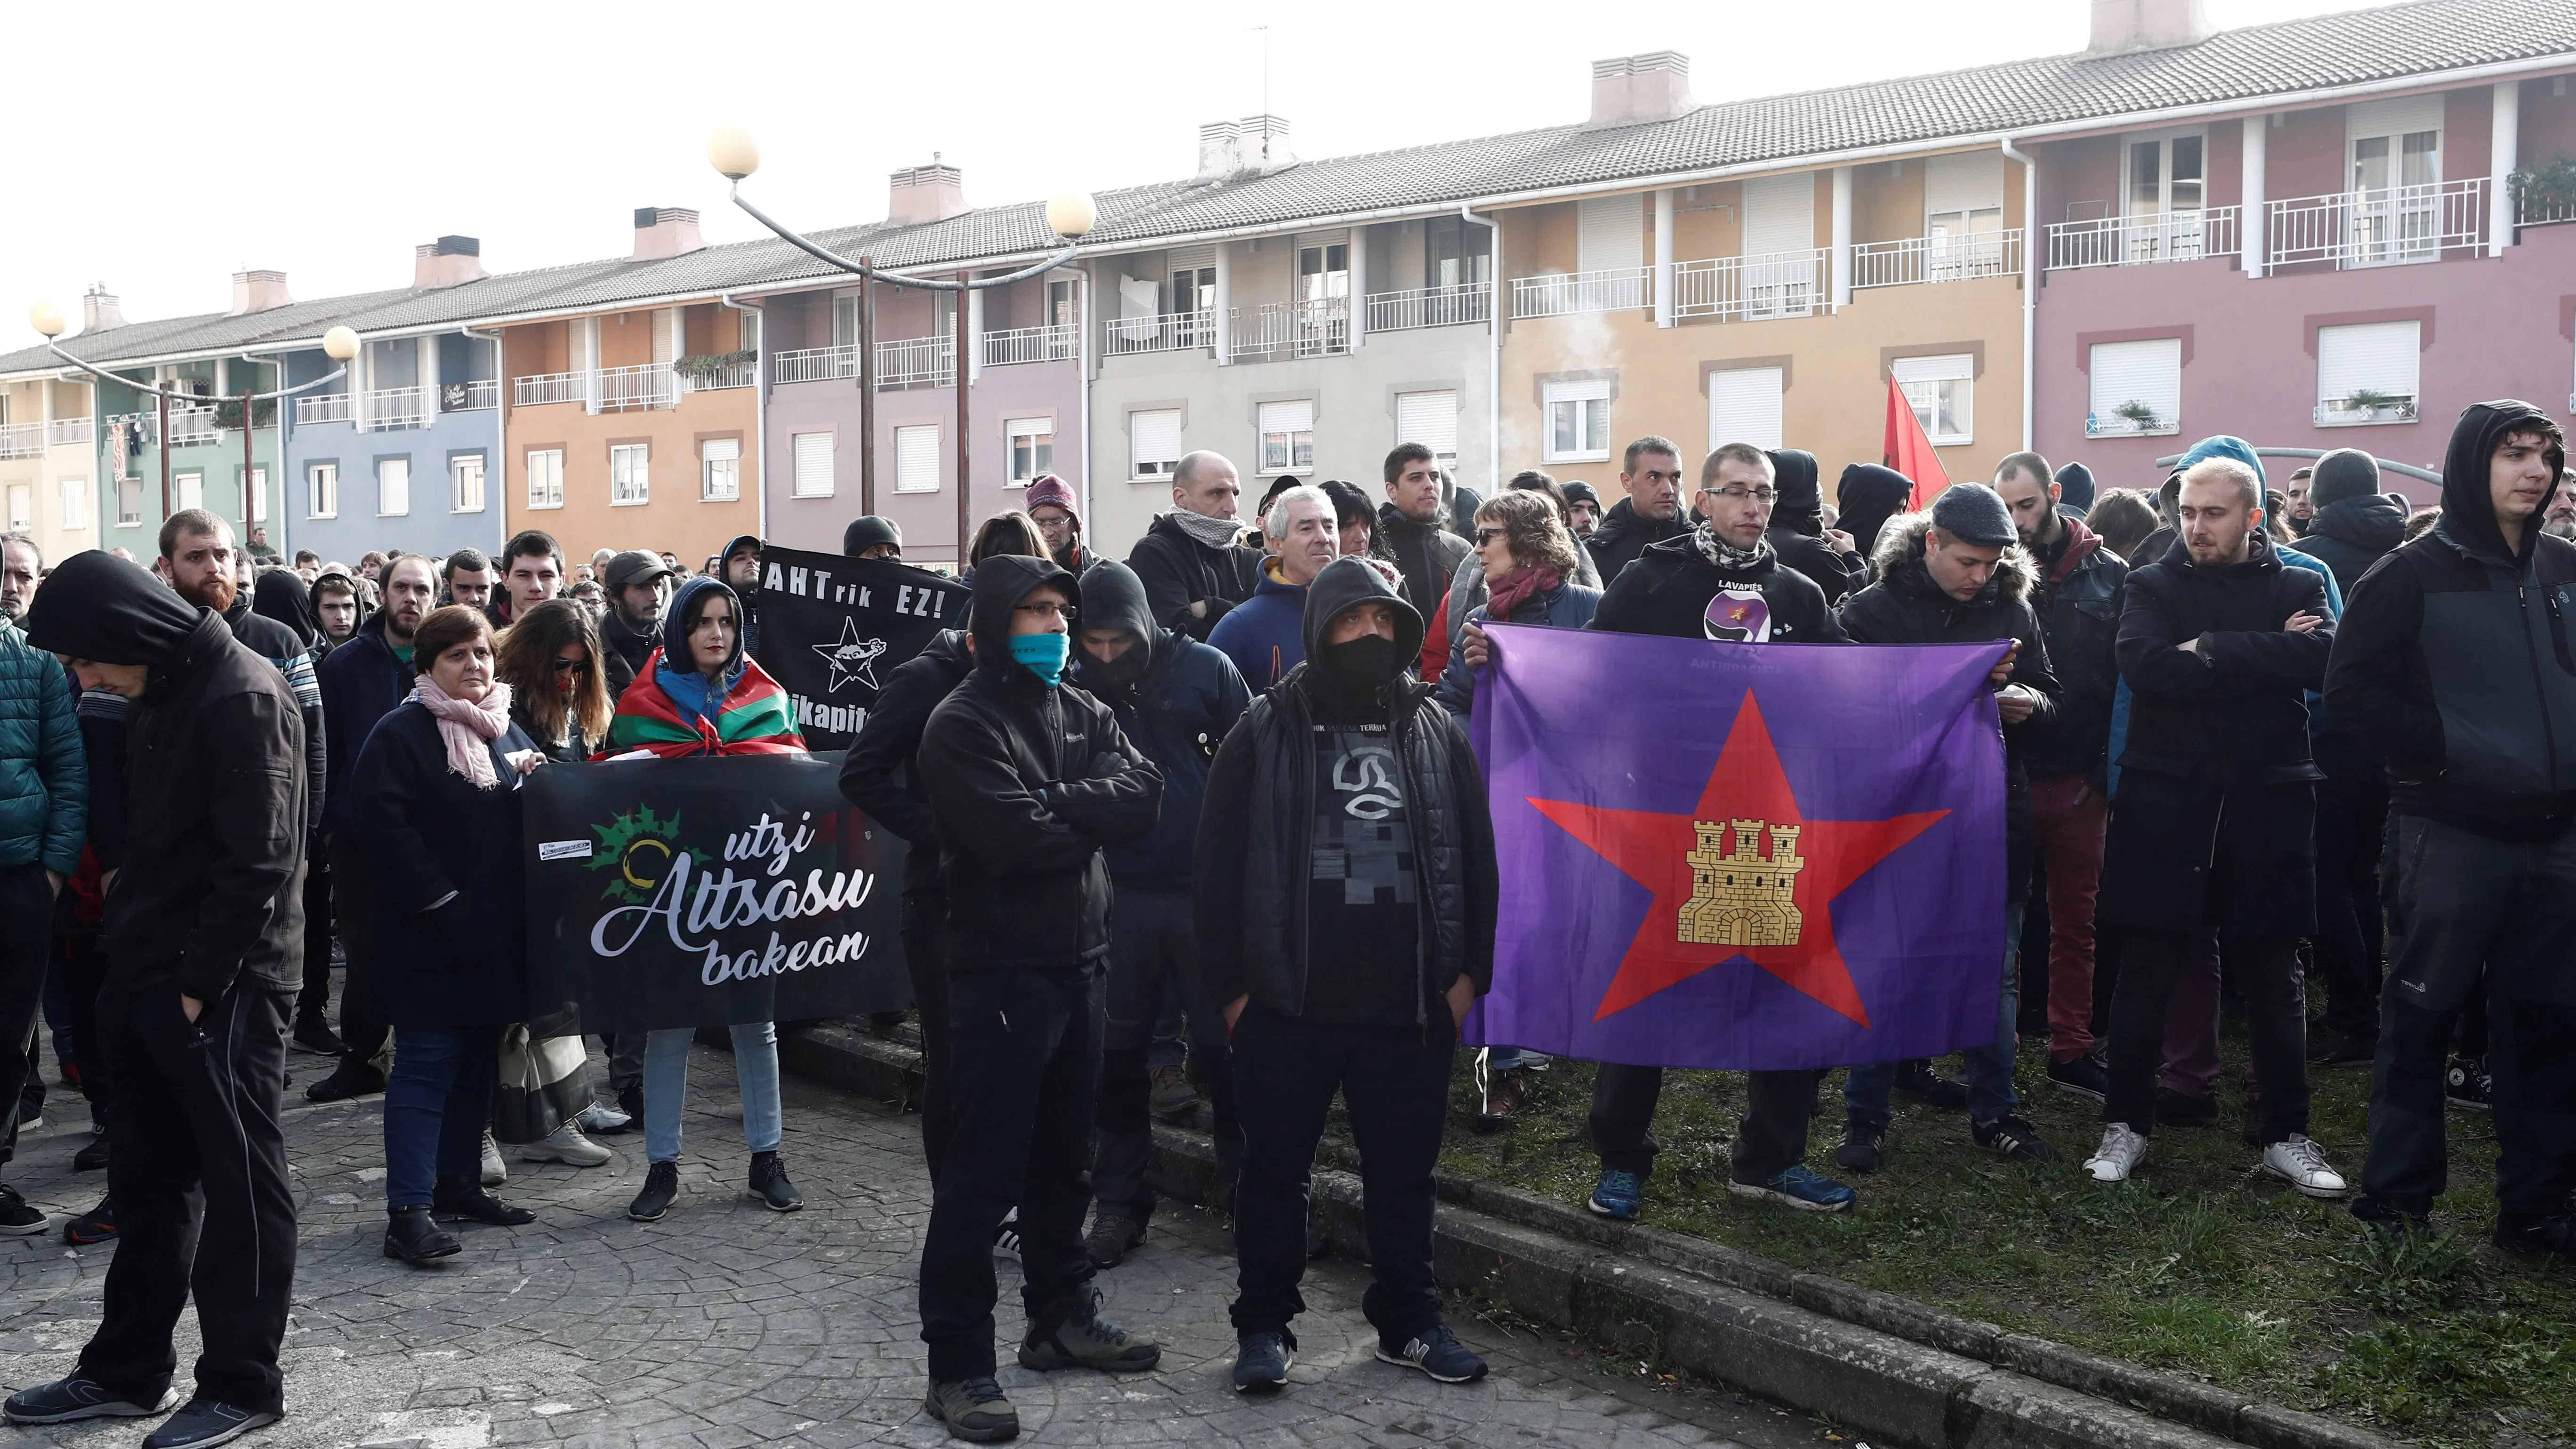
x: 1720, y: 580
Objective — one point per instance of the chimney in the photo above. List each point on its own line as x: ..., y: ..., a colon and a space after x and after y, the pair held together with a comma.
x: 258, y: 292
x: 1629, y: 90
x: 446, y: 262
x: 99, y: 311
x: 2148, y: 25
x: 1220, y: 150
x: 660, y: 231
x: 1262, y: 143
x: 923, y: 194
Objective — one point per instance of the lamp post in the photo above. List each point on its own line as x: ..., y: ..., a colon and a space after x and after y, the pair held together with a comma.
x: 340, y: 344
x: 1070, y: 214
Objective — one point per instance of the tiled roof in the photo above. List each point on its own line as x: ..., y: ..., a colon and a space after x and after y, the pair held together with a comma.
x: 2282, y: 60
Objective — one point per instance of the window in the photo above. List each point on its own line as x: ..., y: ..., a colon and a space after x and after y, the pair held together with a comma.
x: 2395, y: 171
x: 465, y: 484
x: 1943, y: 394
x: 129, y: 502
x: 258, y: 492
x: 75, y: 502
x: 1059, y: 304
x: 192, y: 490
x: 1287, y: 437
x: 2167, y: 174
x: 1744, y: 407
x: 22, y: 507
x: 545, y: 478
x: 1454, y: 253
x: 1963, y: 209
x: 1153, y: 443
x: 719, y: 470
x: 1431, y: 419
x: 630, y: 475
x: 1032, y: 444
x: 2137, y: 389
x: 393, y: 487
x: 749, y: 337
x: 2368, y: 373
x: 811, y: 463
x: 1578, y: 421
x: 916, y: 459
x: 1609, y: 233
x: 321, y: 490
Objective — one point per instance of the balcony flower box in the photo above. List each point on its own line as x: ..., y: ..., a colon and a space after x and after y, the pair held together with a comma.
x: 2364, y: 409
x: 2129, y: 425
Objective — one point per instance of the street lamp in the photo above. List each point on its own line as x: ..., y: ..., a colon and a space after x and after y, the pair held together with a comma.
x: 340, y: 344
x: 1070, y: 214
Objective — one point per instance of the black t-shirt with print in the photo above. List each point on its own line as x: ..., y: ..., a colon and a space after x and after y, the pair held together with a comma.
x: 1363, y: 932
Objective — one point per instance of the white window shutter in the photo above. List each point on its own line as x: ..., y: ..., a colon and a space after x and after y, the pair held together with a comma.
x: 1966, y: 181
x: 812, y: 464
x: 1428, y: 418
x: 1190, y: 259
x: 1935, y: 369
x: 916, y: 459
x: 1609, y: 233
x: 1780, y: 214
x: 1154, y: 440
x: 1288, y: 417
x: 1744, y: 407
x: 2149, y: 372
x: 1581, y: 391
x: 2374, y: 356
x: 721, y: 450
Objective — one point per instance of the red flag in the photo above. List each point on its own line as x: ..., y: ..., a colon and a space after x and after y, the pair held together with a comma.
x: 1909, y: 451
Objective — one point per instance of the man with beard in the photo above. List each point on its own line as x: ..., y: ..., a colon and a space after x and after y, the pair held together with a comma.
x: 1650, y: 514
x: 639, y: 585
x: 739, y: 567
x: 1582, y: 510
x: 2560, y: 520
x: 1411, y: 523
x: 1052, y: 507
x: 197, y: 552
x: 43, y: 812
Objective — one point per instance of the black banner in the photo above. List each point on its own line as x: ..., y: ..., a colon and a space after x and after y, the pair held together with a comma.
x: 833, y: 628
x: 704, y: 892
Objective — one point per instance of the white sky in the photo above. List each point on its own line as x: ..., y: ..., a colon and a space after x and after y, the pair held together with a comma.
x: 162, y: 153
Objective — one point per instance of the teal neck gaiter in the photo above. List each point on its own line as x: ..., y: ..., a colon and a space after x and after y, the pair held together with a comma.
x: 1042, y: 655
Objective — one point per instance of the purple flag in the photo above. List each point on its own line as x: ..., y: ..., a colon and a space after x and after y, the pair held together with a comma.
x: 1742, y: 856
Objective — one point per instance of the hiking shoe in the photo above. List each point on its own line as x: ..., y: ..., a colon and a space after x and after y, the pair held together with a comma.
x: 566, y: 1145
x: 1914, y: 1079
x: 2014, y: 1138
x: 973, y: 1409
x: 351, y: 1079
x: 1799, y: 1186
x: 2535, y: 1237
x: 462, y: 1200
x: 315, y: 1036
x: 1618, y: 1196
x: 2302, y: 1164
x: 2173, y: 1109
x: 2085, y: 1076
x: 494, y: 1173
x: 2118, y: 1155
x: 93, y: 1154
x: 1504, y: 1096
x: 1082, y: 1340
x: 1861, y: 1149
x: 2390, y: 1218
x: 91, y: 1228
x: 78, y: 1397
x: 1437, y: 1352
x: 204, y: 1423
x: 16, y: 1218
x: 2328, y: 1047
x: 411, y: 1236
x: 1261, y: 1363
x: 1006, y: 1238
x: 1173, y: 1099
x: 661, y: 1184
x: 769, y: 1183
x: 1113, y: 1236
x: 602, y: 1120
x: 2469, y: 1087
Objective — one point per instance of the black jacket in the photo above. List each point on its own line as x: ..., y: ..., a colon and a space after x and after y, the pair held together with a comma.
x: 1178, y: 571
x: 362, y: 680
x: 1906, y: 607
x: 2350, y: 534
x: 1798, y: 528
x: 282, y: 646
x: 1255, y: 860
x: 212, y: 890
x: 449, y: 882
x: 1622, y: 536
x: 2079, y: 611
x: 1177, y: 712
x: 881, y: 774
x: 2454, y: 665
x: 627, y: 651
x: 1669, y: 590
x: 1425, y: 553
x: 1027, y: 781
x: 2215, y: 770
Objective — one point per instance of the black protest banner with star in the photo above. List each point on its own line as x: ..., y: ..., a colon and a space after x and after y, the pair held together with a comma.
x: 832, y: 629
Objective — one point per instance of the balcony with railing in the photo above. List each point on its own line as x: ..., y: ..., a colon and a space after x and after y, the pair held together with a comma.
x: 2362, y: 409
x: 1429, y: 307
x: 1164, y: 332
x: 550, y: 387
x: 22, y: 440
x: 329, y: 407
x: 1754, y: 288
x: 1014, y: 346
x: 717, y: 373
x: 815, y: 364
x: 645, y: 385
x: 392, y: 409
x: 2131, y: 420
x: 191, y: 425
x: 917, y: 362
x: 65, y: 432
x: 2124, y: 241
x: 2531, y: 208
x: 1274, y: 331
x: 1924, y: 259
x: 1615, y: 289
x: 2390, y: 226
x: 481, y: 393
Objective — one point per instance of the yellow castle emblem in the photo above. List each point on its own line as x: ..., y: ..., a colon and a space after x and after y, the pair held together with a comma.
x: 1739, y: 898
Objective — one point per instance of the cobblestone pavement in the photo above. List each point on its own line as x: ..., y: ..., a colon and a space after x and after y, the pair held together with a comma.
x: 726, y: 1325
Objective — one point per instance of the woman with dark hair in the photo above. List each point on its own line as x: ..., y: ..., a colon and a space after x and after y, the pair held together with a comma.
x: 435, y: 798
x: 1356, y: 517
x: 1009, y: 531
x: 699, y: 694
x: 558, y: 692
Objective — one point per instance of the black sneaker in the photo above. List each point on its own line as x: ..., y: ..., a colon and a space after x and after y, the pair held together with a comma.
x: 2173, y: 1109
x: 1914, y: 1079
x: 1084, y: 1341
x: 78, y: 1397
x: 1113, y: 1236
x: 630, y: 1100
x: 464, y: 1200
x: 203, y: 1423
x: 2390, y: 1218
x: 1437, y: 1352
x: 93, y: 1154
x: 2015, y: 1139
x: 350, y: 1080
x: 16, y: 1218
x: 413, y: 1238
x: 91, y: 1228
x: 1261, y: 1363
x: 2469, y: 1086
x: 769, y: 1183
x: 2537, y: 1237
x: 973, y: 1409
x: 314, y: 1035
x: 1861, y: 1149
x: 2085, y: 1076
x: 661, y: 1185
x: 2328, y: 1047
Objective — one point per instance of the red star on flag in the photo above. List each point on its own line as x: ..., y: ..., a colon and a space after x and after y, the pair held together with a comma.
x: 1653, y: 850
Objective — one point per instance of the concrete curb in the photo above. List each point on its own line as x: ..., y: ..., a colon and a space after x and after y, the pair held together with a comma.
x: 1886, y: 1367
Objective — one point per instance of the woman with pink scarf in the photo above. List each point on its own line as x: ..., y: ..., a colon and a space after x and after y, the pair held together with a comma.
x: 435, y: 797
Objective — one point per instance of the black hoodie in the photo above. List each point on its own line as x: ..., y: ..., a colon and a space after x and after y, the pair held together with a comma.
x: 1798, y: 527
x: 880, y: 773
x: 1027, y: 781
x: 1623, y: 535
x: 1868, y: 495
x: 746, y: 595
x: 1175, y: 699
x: 2453, y: 663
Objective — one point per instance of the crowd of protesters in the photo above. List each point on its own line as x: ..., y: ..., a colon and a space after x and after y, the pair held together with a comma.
x: 1216, y: 805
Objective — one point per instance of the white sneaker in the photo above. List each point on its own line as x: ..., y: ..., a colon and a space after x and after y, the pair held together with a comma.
x: 2302, y: 1164
x: 2118, y: 1155
x: 601, y: 1117
x: 569, y: 1146
x: 494, y: 1174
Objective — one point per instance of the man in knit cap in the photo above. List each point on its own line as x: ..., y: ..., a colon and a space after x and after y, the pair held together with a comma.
x: 1059, y: 518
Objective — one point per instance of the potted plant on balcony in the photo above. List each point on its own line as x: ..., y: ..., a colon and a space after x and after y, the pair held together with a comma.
x: 706, y: 368
x: 2370, y: 405
x: 2544, y: 192
x: 228, y: 414
x: 2140, y: 417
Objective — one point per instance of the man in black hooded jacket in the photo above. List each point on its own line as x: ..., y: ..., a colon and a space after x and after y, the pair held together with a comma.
x: 1028, y: 778
x: 2455, y: 666
x: 1652, y: 512
x: 1346, y: 900
x: 205, y: 950
x: 1798, y: 533
x: 741, y: 566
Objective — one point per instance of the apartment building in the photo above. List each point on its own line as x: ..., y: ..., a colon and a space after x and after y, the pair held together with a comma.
x: 48, y: 466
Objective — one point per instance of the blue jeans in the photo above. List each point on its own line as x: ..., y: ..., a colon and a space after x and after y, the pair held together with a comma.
x: 666, y: 1087
x: 437, y: 1100
x: 1867, y: 1091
